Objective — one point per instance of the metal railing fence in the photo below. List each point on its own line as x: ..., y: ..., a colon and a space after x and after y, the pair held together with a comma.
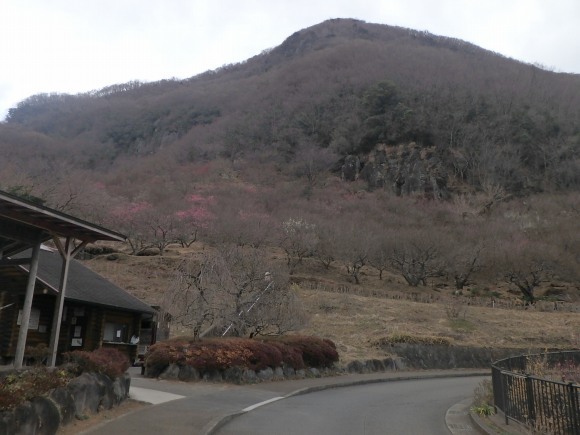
x: 544, y: 405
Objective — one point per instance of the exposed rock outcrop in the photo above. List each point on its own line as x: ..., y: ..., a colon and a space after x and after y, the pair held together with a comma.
x: 405, y: 169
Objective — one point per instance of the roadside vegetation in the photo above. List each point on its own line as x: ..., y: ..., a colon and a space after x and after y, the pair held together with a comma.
x: 206, y: 355
x: 16, y: 387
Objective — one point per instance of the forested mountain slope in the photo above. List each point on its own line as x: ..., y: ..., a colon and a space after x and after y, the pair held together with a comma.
x: 341, y: 87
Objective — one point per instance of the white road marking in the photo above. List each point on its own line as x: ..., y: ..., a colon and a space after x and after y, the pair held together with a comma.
x: 257, y: 405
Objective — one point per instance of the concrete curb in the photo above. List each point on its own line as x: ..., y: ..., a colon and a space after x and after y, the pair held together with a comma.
x: 212, y: 427
x: 459, y: 420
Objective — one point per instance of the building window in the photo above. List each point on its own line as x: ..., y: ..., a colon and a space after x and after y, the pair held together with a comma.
x: 116, y: 332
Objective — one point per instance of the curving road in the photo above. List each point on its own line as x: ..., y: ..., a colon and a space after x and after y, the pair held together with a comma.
x: 414, y: 407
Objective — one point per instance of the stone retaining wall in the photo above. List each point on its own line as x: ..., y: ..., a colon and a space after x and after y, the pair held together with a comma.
x: 406, y: 356
x: 238, y: 375
x: 88, y: 394
x: 235, y: 375
x: 421, y: 356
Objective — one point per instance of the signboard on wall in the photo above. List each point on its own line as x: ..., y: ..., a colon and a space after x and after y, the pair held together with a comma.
x: 34, y: 318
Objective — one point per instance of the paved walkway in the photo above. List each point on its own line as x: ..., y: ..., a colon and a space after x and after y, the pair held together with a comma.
x: 201, y: 408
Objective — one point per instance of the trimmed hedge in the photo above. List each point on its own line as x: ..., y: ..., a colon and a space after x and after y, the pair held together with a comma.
x: 210, y: 354
x: 108, y: 361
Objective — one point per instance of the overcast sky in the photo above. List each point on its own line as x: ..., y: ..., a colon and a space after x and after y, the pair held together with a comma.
x: 76, y: 46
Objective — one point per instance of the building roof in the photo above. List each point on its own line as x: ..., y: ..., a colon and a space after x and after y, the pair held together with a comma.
x: 23, y: 223
x: 83, y: 284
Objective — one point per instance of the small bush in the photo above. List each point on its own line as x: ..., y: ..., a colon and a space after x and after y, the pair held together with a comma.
x: 19, y: 386
x: 37, y: 353
x: 413, y: 339
x: 454, y: 309
x: 94, y: 250
x: 316, y: 352
x: 291, y: 355
x: 483, y: 394
x: 107, y: 361
x: 483, y: 410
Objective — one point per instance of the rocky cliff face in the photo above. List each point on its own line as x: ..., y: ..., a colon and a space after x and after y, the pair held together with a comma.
x: 405, y: 169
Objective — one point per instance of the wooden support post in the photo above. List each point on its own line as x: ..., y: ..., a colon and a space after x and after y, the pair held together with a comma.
x: 25, y: 319
x: 66, y: 254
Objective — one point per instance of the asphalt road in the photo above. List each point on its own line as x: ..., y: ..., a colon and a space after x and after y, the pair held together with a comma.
x: 414, y: 407
x: 202, y: 408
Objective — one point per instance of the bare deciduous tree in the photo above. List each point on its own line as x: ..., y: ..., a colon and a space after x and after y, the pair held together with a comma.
x: 463, y: 262
x: 527, y: 277
x: 325, y: 251
x: 353, y: 247
x: 416, y: 257
x: 380, y: 254
x: 192, y: 299
x: 298, y: 239
x: 234, y: 291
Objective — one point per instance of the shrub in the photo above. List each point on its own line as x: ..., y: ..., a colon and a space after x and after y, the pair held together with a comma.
x: 291, y: 355
x: 19, y: 386
x: 223, y: 353
x: 107, y: 361
x: 413, y: 339
x: 316, y: 352
x: 37, y: 353
x: 483, y: 410
x: 483, y: 394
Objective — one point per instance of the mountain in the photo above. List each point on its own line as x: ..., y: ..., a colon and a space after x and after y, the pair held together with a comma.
x: 342, y: 87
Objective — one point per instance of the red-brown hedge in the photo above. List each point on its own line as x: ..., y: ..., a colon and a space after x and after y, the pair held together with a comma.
x: 316, y: 352
x: 108, y: 361
x: 221, y: 353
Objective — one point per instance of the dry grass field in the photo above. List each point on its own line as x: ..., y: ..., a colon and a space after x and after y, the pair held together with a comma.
x: 355, y: 317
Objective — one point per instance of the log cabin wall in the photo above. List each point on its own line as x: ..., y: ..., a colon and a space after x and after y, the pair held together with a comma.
x: 39, y: 327
x: 82, y: 327
x: 8, y: 317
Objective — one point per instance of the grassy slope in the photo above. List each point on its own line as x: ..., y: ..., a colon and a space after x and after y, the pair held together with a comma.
x: 356, y: 316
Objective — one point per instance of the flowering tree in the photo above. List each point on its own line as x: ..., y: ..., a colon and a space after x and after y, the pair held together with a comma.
x: 192, y: 219
x: 131, y: 219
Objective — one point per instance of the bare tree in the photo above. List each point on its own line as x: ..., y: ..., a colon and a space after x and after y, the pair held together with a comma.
x: 312, y: 163
x: 527, y: 262
x: 492, y: 194
x: 353, y: 247
x: 234, y: 291
x: 259, y: 292
x: 417, y: 257
x: 380, y: 254
x: 163, y: 226
x: 527, y: 277
x: 298, y: 239
x: 192, y: 299
x: 325, y: 251
x: 463, y: 262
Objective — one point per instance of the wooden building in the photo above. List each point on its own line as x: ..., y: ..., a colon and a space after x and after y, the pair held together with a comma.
x: 35, y: 306
x: 96, y: 313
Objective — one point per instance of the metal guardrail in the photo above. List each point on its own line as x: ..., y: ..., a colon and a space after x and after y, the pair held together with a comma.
x: 543, y: 405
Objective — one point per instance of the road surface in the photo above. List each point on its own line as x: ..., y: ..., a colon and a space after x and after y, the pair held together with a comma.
x: 414, y: 407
